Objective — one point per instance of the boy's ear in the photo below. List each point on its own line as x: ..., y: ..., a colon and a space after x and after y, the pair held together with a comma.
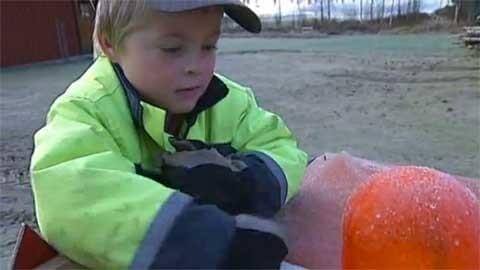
x: 107, y: 48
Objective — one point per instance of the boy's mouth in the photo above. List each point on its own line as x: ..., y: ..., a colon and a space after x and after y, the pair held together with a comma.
x: 189, y: 89
x: 189, y: 93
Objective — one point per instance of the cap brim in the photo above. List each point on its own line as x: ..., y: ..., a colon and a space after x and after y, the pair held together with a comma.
x: 235, y: 9
x: 245, y: 17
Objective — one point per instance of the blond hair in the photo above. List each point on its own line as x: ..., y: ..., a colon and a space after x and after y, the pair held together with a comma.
x: 115, y: 19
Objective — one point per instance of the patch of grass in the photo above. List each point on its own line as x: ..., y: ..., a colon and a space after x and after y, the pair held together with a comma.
x: 410, y: 44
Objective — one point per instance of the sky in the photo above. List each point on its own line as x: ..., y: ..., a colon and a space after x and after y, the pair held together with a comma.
x: 267, y: 7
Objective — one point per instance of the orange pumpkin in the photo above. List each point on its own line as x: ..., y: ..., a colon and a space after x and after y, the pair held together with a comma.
x: 411, y: 217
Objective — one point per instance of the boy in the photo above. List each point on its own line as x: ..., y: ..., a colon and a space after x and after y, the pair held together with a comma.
x: 151, y: 160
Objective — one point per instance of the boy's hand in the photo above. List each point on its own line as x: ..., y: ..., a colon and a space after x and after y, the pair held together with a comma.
x: 224, y: 149
x: 217, y: 174
x: 208, y: 176
x: 257, y: 244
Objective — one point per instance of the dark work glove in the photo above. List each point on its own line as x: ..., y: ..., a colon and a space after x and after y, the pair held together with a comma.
x: 224, y: 149
x: 207, y: 176
x: 257, y: 244
x: 216, y: 174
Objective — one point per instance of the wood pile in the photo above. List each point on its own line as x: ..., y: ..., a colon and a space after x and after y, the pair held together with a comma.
x: 471, y: 36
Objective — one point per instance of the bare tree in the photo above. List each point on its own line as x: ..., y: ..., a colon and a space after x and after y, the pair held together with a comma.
x: 371, y: 10
x: 391, y: 12
x: 458, y: 6
x: 417, y: 5
x: 399, y: 8
x: 279, y: 16
x: 379, y: 8
x: 361, y: 10
x: 296, y: 17
x: 328, y: 8
x: 466, y: 10
x: 322, y: 17
x: 383, y: 9
x: 350, y: 12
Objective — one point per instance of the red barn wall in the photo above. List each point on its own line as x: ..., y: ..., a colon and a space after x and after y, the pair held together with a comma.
x: 33, y: 31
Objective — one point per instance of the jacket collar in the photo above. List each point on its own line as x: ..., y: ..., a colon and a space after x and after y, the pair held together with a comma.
x: 152, y: 118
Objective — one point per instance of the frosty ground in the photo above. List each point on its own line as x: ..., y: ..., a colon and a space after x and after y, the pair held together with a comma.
x: 408, y: 99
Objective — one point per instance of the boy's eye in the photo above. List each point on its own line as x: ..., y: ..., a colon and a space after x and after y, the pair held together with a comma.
x: 171, y: 49
x: 210, y: 47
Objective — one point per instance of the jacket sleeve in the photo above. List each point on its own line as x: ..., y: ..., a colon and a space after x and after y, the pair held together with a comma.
x: 94, y: 208
x: 263, y: 138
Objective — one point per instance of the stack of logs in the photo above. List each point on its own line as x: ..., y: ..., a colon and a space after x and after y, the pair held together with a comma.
x: 471, y: 36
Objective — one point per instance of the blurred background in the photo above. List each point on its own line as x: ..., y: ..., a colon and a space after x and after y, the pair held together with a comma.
x: 39, y: 30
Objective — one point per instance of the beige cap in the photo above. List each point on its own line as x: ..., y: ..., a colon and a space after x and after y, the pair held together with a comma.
x: 235, y: 9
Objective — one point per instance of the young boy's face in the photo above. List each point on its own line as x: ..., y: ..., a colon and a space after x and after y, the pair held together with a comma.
x: 171, y: 60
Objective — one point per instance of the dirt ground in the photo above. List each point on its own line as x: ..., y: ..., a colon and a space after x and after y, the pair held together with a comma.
x: 410, y: 99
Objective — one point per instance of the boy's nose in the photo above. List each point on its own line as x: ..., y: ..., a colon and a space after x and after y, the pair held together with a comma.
x: 193, y: 66
x: 190, y: 70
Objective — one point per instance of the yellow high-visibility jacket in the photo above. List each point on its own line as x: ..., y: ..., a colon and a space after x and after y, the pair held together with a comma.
x: 91, y: 203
